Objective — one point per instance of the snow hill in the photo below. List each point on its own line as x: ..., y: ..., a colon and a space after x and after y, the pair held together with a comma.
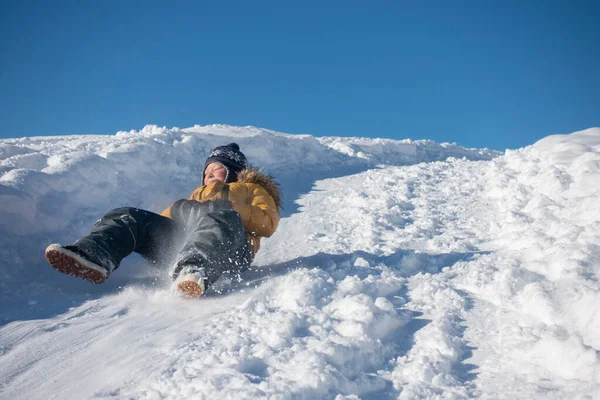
x: 401, y: 269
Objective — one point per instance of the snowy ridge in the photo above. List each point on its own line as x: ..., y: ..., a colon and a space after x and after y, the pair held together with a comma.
x: 429, y: 271
x: 402, y: 152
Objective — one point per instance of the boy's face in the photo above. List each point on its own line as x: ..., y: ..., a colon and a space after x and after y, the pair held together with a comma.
x: 214, y: 172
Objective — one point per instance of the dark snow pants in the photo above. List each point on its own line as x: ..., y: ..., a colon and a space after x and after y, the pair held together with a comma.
x: 210, y: 235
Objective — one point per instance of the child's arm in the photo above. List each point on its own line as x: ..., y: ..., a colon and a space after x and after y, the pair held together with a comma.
x: 257, y: 208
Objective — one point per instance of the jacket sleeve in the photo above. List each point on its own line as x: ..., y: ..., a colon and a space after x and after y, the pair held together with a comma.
x: 259, y: 212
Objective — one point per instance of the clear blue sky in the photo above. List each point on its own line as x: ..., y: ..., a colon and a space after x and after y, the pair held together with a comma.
x: 498, y: 74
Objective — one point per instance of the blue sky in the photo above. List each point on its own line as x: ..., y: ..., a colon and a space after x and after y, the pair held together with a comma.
x: 497, y: 74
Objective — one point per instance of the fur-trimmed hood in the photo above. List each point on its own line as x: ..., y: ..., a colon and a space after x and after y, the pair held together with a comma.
x: 259, y: 177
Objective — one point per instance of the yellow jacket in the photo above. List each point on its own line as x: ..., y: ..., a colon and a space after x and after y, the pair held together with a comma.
x: 255, y: 196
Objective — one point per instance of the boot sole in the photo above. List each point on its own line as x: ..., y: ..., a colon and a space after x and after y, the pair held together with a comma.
x: 69, y: 263
x: 190, y: 289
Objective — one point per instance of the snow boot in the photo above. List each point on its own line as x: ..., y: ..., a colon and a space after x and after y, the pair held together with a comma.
x: 191, y: 280
x: 72, y: 261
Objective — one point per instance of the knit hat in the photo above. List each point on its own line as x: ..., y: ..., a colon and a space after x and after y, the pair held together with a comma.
x: 230, y: 157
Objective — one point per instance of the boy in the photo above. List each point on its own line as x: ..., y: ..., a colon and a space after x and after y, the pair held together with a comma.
x: 217, y: 229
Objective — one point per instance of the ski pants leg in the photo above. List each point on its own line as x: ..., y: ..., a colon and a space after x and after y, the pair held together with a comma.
x: 215, y: 238
x: 125, y: 230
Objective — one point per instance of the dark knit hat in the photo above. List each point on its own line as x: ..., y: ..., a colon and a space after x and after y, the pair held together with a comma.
x: 230, y: 157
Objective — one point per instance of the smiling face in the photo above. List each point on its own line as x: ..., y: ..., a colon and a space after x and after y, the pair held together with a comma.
x: 214, y: 172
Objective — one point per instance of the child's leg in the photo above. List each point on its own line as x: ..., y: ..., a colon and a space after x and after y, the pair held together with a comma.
x: 125, y: 230
x: 215, y: 239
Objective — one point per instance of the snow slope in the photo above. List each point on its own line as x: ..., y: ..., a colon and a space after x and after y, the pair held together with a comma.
x: 401, y: 269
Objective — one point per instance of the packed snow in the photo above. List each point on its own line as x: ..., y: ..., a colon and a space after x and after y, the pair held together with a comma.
x: 400, y: 269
